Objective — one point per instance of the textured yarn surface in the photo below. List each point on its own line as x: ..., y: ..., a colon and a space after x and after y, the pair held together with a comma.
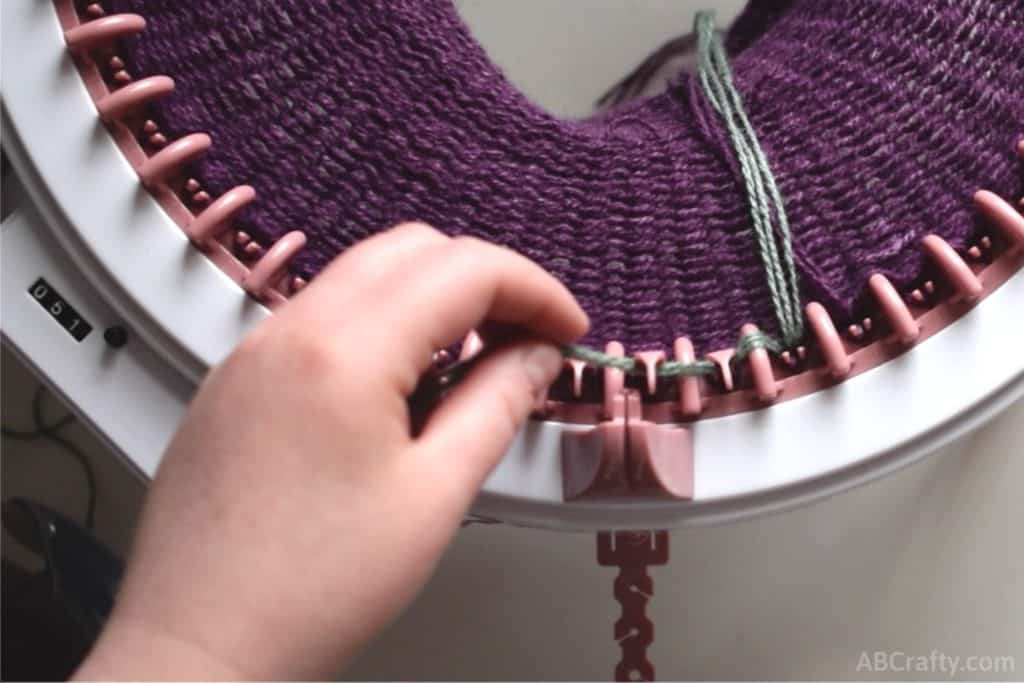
x: 880, y: 118
x: 767, y: 209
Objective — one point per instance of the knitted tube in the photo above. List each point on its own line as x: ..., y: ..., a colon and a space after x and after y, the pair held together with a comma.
x: 879, y: 118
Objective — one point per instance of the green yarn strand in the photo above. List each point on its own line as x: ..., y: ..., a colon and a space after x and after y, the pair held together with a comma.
x: 632, y: 366
x: 597, y: 358
x: 770, y: 223
x: 747, y: 344
x: 767, y: 211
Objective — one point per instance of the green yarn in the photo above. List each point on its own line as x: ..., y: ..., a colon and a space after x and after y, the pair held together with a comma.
x: 671, y: 369
x: 756, y: 340
x: 597, y: 358
x: 632, y: 366
x: 771, y: 225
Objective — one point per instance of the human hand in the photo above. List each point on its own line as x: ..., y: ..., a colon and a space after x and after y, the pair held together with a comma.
x: 294, y: 514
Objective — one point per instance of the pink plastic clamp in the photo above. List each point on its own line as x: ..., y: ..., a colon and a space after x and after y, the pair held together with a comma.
x: 104, y: 31
x: 594, y: 460
x: 626, y: 455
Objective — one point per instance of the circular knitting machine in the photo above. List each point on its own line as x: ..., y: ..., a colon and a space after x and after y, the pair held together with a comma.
x: 124, y: 236
x: 846, y: 406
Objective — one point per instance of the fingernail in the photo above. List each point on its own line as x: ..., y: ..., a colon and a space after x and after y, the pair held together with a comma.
x: 541, y: 363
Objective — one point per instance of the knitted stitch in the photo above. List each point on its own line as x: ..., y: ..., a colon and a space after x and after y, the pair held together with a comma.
x: 879, y: 118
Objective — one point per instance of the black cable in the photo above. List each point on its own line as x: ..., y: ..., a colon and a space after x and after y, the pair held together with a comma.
x: 39, y: 429
x: 51, y: 432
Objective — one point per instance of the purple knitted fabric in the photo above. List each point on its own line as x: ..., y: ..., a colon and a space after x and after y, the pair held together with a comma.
x: 880, y: 119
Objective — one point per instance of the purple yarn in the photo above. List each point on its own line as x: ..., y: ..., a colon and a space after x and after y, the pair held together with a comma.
x: 880, y: 118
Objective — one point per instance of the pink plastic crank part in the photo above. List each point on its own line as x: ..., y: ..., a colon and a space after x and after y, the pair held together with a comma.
x: 633, y: 552
x: 626, y: 455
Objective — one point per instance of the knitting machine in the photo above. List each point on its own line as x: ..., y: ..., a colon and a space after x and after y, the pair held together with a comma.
x: 97, y: 246
x: 122, y: 296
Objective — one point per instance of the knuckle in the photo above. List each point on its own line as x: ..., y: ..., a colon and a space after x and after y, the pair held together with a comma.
x: 469, y: 243
x: 310, y: 353
x: 417, y: 227
x: 472, y: 253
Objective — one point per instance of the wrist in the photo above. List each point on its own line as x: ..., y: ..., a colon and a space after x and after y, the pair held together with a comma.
x: 133, y: 649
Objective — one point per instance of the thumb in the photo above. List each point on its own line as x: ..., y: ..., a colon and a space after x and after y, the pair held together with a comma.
x: 474, y: 426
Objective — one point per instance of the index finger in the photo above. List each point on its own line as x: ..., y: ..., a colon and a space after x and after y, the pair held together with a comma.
x: 473, y: 282
x: 462, y: 284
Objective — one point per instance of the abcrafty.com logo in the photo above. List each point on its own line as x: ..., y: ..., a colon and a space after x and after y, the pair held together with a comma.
x: 935, y: 662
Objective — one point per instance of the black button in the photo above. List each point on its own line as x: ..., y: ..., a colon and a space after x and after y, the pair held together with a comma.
x: 115, y: 336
